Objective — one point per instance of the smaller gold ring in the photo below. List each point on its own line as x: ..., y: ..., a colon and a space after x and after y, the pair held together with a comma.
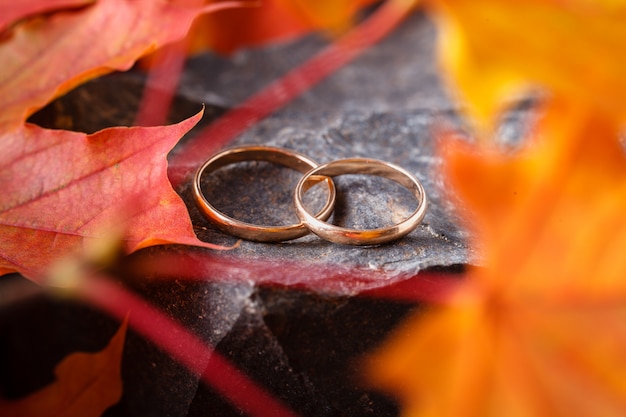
x: 258, y: 233
x: 362, y: 166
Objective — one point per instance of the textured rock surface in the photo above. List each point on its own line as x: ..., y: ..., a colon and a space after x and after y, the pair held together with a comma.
x: 252, y: 193
x: 382, y: 106
x: 385, y: 105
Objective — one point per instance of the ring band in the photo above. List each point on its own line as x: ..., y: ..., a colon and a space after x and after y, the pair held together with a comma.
x: 250, y: 231
x: 366, y: 167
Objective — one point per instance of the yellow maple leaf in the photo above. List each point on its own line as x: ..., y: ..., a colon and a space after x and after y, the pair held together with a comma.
x: 493, y: 50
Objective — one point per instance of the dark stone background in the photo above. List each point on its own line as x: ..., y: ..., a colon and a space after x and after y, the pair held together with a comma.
x: 300, y: 331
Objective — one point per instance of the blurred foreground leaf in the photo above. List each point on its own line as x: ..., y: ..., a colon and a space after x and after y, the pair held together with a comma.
x: 86, y: 385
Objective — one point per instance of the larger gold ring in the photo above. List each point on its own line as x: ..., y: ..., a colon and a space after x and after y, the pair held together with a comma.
x: 250, y: 231
x: 366, y: 167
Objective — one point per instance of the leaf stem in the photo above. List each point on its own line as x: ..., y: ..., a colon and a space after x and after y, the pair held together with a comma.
x: 185, y: 347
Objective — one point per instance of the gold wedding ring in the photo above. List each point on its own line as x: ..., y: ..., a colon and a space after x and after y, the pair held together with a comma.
x: 255, y: 232
x: 361, y: 166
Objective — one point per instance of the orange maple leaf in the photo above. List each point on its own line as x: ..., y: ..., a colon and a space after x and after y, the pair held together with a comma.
x: 330, y: 15
x: 270, y: 20
x: 61, y: 187
x: 540, y: 329
x: 86, y: 385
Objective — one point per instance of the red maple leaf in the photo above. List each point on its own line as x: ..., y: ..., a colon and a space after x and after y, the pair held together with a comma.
x: 61, y: 188
x: 11, y: 12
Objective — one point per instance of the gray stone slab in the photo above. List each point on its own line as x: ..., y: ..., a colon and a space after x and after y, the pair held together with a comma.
x: 262, y: 193
x: 385, y: 105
